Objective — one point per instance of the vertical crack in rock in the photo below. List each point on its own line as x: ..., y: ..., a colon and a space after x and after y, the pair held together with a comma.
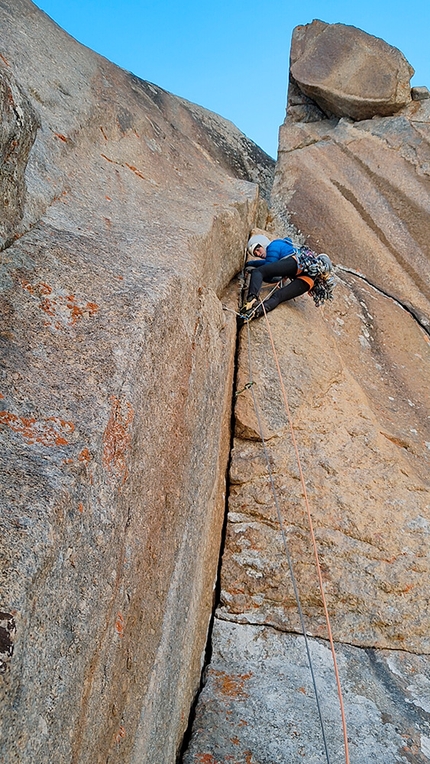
x: 357, y: 381
x: 217, y: 591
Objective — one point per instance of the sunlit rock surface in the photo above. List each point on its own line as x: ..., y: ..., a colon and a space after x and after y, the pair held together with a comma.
x: 362, y: 426
x: 356, y: 377
x: 347, y: 72
x: 125, y: 215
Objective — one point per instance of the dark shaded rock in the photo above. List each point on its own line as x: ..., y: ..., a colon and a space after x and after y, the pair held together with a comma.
x: 7, y: 635
x: 301, y: 108
x: 18, y: 125
x: 420, y: 93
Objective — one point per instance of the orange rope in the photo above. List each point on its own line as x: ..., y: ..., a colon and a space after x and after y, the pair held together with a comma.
x: 311, y: 526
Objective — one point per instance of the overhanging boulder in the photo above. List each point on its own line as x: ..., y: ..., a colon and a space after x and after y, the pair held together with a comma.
x: 348, y: 72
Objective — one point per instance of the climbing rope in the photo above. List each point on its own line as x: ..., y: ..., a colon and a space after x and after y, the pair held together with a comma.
x: 315, y: 549
x: 285, y: 544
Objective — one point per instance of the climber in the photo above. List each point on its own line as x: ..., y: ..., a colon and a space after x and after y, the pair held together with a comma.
x: 269, y: 251
x: 307, y: 271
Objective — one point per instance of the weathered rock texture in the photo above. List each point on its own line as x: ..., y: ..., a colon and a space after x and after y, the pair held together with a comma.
x: 260, y: 700
x: 356, y: 375
x: 347, y: 72
x: 361, y: 420
x: 126, y: 211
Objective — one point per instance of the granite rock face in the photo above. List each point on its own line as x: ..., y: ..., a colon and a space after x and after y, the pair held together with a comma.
x: 362, y: 426
x: 348, y: 72
x: 125, y: 221
x: 260, y: 699
x: 360, y: 191
x: 356, y: 378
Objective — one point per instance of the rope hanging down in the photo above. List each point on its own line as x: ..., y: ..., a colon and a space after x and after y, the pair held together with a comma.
x: 285, y: 544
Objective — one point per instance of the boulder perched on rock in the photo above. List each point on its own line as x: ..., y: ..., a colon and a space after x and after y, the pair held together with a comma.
x: 347, y: 72
x: 355, y: 375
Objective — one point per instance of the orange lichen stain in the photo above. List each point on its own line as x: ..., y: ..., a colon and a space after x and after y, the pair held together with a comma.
x: 302, y: 690
x: 48, y: 432
x: 206, y: 758
x: 25, y: 285
x: 77, y: 311
x: 116, y: 439
x: 235, y: 740
x: 5, y: 61
x: 61, y: 137
x: 103, y: 133
x: 107, y: 159
x: 119, y: 624
x: 135, y: 170
x: 108, y: 198
x: 242, y: 723
x: 232, y: 684
x: 120, y: 735
x: 80, y: 507
x: 1, y: 395
x: 85, y: 456
x: 64, y: 309
x: 237, y: 590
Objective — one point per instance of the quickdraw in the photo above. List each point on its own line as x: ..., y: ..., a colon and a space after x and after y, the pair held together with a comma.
x: 247, y: 387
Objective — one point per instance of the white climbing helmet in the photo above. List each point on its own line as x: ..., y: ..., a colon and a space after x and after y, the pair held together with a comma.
x: 326, y: 262
x: 257, y: 239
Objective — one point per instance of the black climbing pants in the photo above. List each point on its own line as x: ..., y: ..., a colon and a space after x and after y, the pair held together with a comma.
x: 286, y: 268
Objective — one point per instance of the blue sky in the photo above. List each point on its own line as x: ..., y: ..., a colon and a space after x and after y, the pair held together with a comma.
x: 232, y: 56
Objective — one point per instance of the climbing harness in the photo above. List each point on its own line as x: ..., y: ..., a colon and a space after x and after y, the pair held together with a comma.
x: 285, y: 544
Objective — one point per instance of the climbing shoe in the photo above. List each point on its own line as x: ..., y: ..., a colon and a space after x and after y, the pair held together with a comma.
x: 248, y: 315
x: 249, y: 305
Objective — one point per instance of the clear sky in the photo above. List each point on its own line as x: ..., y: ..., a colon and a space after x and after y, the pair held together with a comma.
x: 231, y: 56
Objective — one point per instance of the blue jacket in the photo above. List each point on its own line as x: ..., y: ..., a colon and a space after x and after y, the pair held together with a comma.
x: 275, y: 251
